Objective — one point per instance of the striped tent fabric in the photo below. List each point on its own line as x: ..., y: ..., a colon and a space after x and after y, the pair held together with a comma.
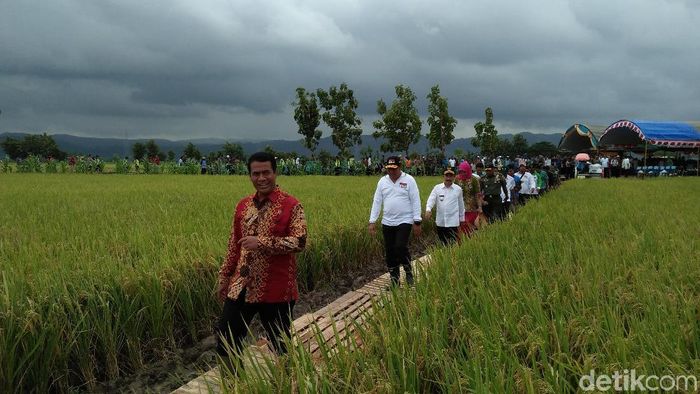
x: 664, y: 134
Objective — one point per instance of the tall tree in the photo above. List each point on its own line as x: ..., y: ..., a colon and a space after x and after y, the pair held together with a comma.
x: 138, y: 151
x: 41, y: 145
x: 191, y: 152
x: 307, y: 116
x: 543, y: 148
x: 400, y: 124
x: 441, y: 124
x: 520, y: 145
x: 153, y: 150
x: 486, y: 135
x: 235, y: 151
x: 340, y: 105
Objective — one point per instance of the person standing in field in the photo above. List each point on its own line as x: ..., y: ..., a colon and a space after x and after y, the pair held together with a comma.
x: 259, y: 274
x: 450, y: 207
x: 398, y: 197
x: 471, y: 191
x: 493, y: 184
x: 528, y: 185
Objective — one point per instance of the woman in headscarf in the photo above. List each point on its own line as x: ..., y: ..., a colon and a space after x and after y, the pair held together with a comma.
x: 472, y: 197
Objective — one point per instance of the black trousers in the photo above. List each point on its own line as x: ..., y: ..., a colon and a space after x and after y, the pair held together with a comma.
x: 494, y: 207
x: 233, y: 325
x: 447, y: 234
x: 396, y: 249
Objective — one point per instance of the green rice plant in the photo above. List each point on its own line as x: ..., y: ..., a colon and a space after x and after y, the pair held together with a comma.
x: 6, y: 164
x: 597, y: 276
x: 101, y: 275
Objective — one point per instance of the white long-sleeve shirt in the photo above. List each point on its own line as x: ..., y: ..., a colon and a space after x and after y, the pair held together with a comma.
x: 510, y: 184
x: 450, y: 205
x: 400, y: 200
x: 527, y: 184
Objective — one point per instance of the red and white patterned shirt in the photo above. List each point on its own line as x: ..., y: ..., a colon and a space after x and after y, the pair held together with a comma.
x: 269, y: 274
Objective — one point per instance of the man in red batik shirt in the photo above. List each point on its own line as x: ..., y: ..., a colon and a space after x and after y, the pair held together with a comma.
x: 259, y: 274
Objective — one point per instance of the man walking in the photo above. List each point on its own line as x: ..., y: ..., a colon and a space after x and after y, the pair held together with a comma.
x: 527, y: 187
x: 259, y: 274
x: 397, y: 193
x: 492, y: 184
x: 450, y: 207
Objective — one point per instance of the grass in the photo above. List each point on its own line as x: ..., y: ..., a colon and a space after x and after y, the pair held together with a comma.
x: 100, y: 274
x: 601, y: 275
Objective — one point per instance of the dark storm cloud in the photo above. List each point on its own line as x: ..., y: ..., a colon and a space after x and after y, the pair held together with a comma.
x: 229, y: 68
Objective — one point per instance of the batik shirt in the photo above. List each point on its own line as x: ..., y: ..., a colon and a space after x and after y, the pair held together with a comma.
x: 471, y: 191
x: 269, y: 274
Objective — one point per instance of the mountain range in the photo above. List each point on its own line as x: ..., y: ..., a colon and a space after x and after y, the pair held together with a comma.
x: 110, y: 147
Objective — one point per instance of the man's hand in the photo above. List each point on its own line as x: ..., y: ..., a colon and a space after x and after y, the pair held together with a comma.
x: 249, y: 242
x: 427, y: 215
x: 222, y: 289
x: 372, y: 229
x: 417, y: 230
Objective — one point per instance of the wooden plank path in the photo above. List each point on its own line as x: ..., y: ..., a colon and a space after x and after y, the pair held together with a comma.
x: 334, y: 325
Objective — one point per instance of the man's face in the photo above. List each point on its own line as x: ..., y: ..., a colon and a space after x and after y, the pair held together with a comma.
x: 449, y: 179
x: 489, y: 171
x: 510, y: 171
x: 263, y: 177
x: 522, y: 169
x: 394, y: 173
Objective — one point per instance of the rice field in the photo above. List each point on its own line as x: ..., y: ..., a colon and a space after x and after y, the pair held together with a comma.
x: 600, y: 276
x: 101, y: 274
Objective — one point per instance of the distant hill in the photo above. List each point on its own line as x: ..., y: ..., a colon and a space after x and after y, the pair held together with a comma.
x: 110, y: 147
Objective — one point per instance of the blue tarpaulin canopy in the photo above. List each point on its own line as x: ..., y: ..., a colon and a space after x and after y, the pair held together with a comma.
x: 580, y: 138
x: 666, y: 134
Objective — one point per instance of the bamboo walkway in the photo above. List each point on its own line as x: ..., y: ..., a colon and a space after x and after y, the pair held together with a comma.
x: 333, y: 324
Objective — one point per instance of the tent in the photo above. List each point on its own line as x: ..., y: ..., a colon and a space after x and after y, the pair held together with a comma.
x: 633, y: 133
x: 640, y: 134
x: 580, y: 138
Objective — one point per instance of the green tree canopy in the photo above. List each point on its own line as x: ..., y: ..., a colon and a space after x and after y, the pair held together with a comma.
x: 340, y: 105
x: 308, y: 118
x: 234, y: 150
x: 153, y: 150
x: 138, y: 150
x: 192, y: 152
x: 441, y: 124
x: 41, y: 145
x: 486, y: 135
x: 400, y: 124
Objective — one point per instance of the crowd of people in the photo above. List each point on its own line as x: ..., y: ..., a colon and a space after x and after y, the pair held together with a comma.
x: 258, y: 275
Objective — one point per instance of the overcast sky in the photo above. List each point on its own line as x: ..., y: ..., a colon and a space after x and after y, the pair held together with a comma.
x: 225, y: 68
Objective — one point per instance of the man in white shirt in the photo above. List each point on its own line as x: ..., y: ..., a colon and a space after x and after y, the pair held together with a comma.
x: 450, y: 207
x: 397, y: 193
x: 528, y: 186
x: 605, y: 164
x: 626, y: 166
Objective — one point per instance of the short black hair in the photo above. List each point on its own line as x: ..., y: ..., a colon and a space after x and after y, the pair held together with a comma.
x: 262, y: 157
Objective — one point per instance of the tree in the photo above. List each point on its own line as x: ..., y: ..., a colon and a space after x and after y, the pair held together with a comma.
x: 505, y: 146
x: 138, y: 151
x: 400, y: 124
x: 486, y: 135
x: 307, y: 116
x: 13, y: 148
x: 191, y: 152
x: 340, y: 105
x: 41, y: 145
x: 235, y: 151
x: 171, y: 155
x: 441, y: 124
x: 520, y: 145
x: 152, y: 150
